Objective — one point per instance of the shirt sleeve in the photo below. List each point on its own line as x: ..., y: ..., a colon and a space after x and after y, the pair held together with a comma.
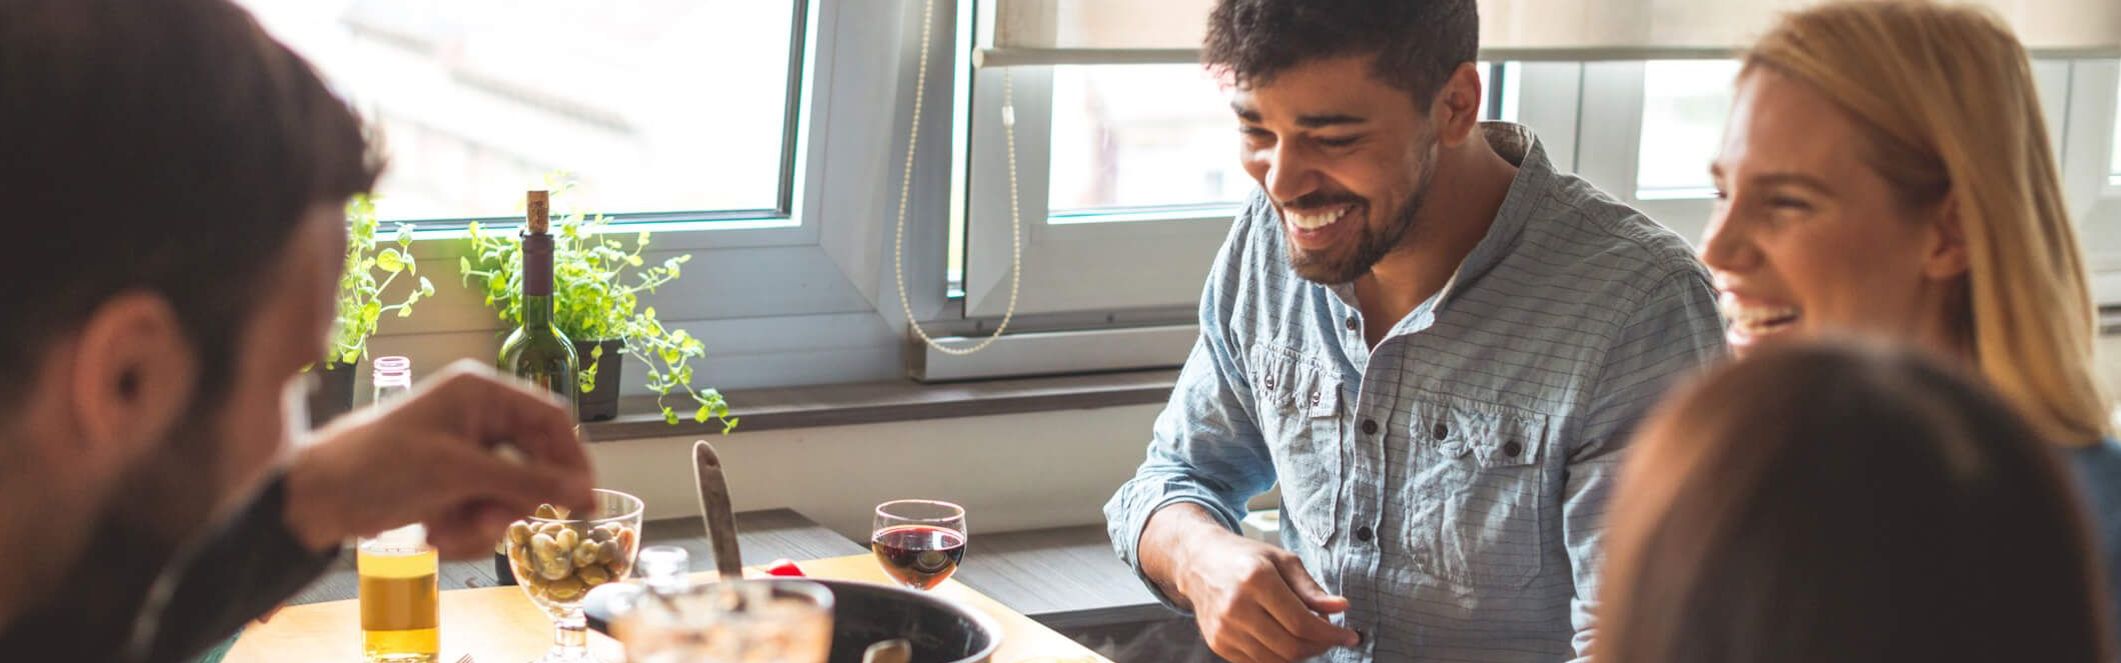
x: 1205, y: 447
x: 247, y: 567
x: 1671, y: 334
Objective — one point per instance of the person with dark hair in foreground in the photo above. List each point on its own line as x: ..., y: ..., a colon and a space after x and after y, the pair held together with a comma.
x: 1431, y: 340
x: 1828, y: 504
x: 177, y: 180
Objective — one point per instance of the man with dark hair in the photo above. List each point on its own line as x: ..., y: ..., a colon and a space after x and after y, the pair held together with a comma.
x: 1434, y: 342
x: 176, y: 179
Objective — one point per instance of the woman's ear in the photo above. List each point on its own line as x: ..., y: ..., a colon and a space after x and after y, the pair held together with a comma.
x: 131, y: 377
x: 1947, y: 256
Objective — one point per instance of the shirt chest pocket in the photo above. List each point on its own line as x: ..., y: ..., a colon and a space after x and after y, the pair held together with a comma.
x: 1299, y: 408
x: 1484, y: 468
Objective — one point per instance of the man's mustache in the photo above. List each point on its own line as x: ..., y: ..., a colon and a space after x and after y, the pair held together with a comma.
x: 1321, y: 200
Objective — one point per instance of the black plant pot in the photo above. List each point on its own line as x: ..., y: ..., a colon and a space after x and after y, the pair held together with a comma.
x: 334, y: 393
x: 602, y: 402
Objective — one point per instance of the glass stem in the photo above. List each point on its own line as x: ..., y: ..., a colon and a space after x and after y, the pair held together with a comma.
x: 570, y: 637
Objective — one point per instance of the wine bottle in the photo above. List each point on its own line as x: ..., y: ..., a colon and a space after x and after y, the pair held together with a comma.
x: 536, y: 351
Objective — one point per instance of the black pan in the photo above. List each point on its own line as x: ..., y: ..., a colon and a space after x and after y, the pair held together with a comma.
x: 941, y: 630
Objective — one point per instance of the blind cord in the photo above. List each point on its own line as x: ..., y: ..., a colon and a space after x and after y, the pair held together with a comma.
x: 1016, y: 232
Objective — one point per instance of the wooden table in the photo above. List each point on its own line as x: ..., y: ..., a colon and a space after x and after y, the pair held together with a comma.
x: 499, y: 625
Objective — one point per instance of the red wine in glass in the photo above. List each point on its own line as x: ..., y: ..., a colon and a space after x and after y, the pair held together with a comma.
x: 919, y: 543
x: 919, y: 556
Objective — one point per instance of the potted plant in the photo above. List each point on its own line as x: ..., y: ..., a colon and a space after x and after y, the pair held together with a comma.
x: 597, y: 286
x: 371, y: 267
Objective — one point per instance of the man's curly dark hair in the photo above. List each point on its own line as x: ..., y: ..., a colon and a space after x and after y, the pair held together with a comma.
x: 1417, y: 43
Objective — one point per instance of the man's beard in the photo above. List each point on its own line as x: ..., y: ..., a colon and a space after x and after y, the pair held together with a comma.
x: 160, y: 503
x: 1371, y: 244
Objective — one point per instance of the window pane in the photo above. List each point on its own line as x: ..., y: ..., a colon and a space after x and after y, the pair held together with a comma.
x: 1683, y: 109
x: 477, y: 100
x: 2116, y: 168
x: 1144, y: 136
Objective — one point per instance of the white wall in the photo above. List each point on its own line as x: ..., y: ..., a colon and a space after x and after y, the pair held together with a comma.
x: 1011, y: 472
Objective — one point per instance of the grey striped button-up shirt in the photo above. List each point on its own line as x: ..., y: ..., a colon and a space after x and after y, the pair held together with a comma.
x: 1452, y: 481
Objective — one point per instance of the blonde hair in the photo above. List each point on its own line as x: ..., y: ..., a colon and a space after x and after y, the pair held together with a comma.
x: 1945, y: 96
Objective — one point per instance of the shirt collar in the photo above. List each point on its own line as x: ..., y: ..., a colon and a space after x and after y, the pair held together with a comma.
x: 1516, y: 144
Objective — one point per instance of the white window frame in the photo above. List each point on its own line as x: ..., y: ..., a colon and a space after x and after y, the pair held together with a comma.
x: 1144, y: 261
x: 2087, y: 164
x: 1610, y: 157
x: 808, y: 299
x: 812, y: 298
x: 1136, y: 261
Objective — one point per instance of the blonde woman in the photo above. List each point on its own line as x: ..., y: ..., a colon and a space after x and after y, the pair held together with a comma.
x: 1886, y: 172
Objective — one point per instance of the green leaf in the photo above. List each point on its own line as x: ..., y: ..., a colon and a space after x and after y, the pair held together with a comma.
x: 670, y: 416
x: 701, y: 415
x: 391, y: 261
x: 427, y: 288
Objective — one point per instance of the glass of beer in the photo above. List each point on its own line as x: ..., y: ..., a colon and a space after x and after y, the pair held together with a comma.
x: 399, y: 607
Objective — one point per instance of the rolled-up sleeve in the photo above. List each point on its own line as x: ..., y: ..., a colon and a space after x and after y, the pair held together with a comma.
x: 1205, y: 448
x: 1672, y: 333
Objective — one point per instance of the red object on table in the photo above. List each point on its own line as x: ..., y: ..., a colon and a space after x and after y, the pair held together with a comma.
x: 784, y: 567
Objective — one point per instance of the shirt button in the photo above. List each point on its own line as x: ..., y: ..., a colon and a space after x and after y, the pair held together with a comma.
x: 1512, y: 448
x: 1352, y: 324
x: 1363, y: 534
x: 1369, y: 426
x: 1441, y: 431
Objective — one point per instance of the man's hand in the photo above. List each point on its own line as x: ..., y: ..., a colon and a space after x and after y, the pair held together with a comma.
x: 1254, y: 602
x: 430, y: 457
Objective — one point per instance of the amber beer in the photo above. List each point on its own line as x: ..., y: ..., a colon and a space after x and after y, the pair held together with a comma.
x: 399, y: 607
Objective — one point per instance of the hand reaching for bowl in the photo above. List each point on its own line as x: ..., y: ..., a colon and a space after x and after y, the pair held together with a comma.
x: 431, y: 457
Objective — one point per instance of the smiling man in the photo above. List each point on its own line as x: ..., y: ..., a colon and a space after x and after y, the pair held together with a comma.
x: 1436, y: 345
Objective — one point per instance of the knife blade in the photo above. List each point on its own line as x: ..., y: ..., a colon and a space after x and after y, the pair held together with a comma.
x: 715, y: 511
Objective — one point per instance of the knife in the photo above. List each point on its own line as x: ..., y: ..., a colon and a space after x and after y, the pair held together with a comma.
x: 715, y: 511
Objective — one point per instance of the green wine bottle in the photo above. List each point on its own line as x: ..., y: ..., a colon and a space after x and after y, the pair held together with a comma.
x: 537, y: 351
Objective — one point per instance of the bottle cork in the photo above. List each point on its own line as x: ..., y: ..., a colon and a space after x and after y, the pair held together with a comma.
x: 537, y: 212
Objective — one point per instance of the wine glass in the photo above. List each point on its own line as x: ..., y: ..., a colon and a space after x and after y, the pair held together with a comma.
x: 557, y: 557
x: 919, y: 542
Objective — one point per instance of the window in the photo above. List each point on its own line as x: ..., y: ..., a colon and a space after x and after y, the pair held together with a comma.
x: 476, y: 100
x: 1140, y: 137
x: 1132, y: 168
x: 1684, y: 103
x: 2114, y: 170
